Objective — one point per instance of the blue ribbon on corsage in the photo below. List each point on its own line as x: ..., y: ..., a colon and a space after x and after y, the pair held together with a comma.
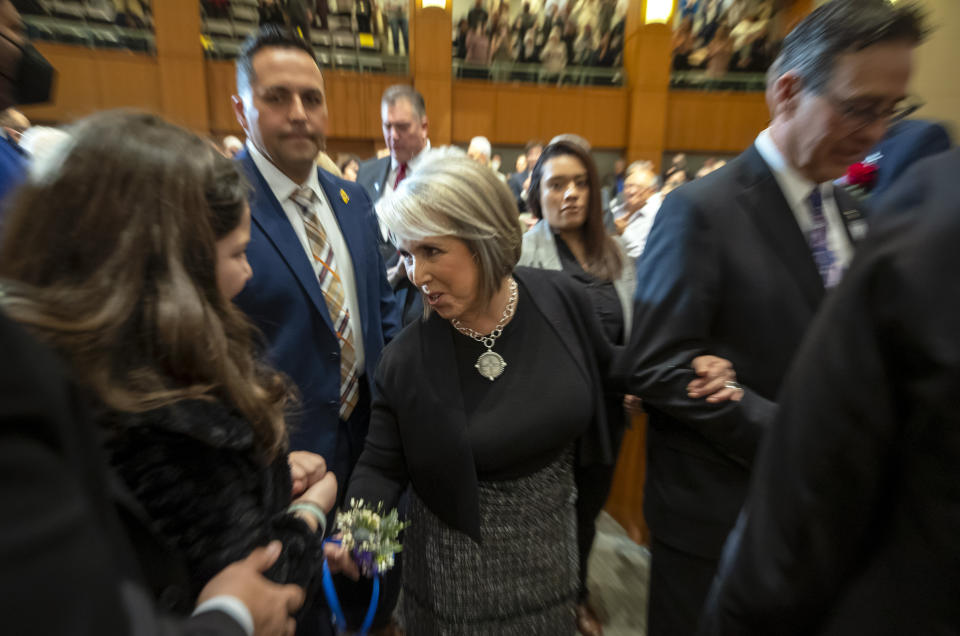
x: 373, y: 540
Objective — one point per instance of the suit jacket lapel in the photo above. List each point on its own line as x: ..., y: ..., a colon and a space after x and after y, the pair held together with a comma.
x: 442, y: 424
x: 764, y: 202
x: 386, y: 173
x: 269, y: 216
x: 555, y: 314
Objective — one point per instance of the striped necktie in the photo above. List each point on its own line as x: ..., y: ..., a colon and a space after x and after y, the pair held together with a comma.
x: 333, y: 293
x: 826, y: 259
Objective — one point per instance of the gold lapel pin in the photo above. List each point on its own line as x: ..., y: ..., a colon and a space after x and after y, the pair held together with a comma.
x: 343, y: 195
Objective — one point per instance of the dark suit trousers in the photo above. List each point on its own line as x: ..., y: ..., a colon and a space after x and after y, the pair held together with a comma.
x: 679, y: 583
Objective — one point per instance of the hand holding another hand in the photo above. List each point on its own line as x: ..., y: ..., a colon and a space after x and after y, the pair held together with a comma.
x: 340, y: 560
x: 306, y: 469
x: 716, y: 381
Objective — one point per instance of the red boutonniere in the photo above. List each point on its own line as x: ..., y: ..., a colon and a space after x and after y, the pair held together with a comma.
x: 862, y: 175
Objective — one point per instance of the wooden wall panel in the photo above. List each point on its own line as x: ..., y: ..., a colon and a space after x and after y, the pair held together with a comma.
x: 177, y: 27
x: 625, y: 503
x: 183, y: 92
x: 605, y: 118
x: 128, y: 81
x: 474, y: 111
x: 354, y: 103
x: 89, y: 80
x: 517, y: 114
x: 221, y: 86
x: 714, y: 121
x: 514, y: 114
x: 432, y: 49
x: 437, y: 96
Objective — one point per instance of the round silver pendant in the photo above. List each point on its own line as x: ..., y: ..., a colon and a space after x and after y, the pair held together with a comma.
x: 490, y: 365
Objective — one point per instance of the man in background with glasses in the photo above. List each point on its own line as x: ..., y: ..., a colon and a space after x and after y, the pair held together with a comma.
x: 736, y: 265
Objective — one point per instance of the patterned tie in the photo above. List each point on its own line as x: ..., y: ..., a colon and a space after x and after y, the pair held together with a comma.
x: 825, y: 258
x: 401, y: 174
x: 333, y: 293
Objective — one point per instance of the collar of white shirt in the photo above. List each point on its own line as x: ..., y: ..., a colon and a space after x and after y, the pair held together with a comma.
x: 280, y: 184
x: 411, y: 165
x: 796, y: 188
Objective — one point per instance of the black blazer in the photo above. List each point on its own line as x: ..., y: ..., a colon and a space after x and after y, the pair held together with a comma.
x: 372, y: 176
x: 418, y: 426
x: 853, y: 518
x: 69, y: 567
x: 726, y: 271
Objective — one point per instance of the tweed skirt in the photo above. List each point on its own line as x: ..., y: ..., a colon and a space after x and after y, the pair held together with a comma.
x: 522, y: 579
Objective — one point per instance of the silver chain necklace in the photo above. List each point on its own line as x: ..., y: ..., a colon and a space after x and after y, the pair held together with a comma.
x: 491, y: 364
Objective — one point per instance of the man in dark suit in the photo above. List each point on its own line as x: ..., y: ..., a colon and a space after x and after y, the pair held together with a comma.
x: 736, y: 265
x: 318, y: 293
x: 405, y: 131
x: 853, y: 516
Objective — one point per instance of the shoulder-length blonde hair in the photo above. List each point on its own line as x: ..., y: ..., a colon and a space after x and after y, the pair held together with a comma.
x: 450, y: 194
x: 604, y: 259
x: 110, y: 257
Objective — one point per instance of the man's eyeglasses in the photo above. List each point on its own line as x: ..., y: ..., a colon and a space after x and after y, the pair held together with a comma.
x: 861, y: 115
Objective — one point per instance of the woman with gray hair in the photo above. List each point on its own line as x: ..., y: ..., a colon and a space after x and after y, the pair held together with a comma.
x: 485, y: 407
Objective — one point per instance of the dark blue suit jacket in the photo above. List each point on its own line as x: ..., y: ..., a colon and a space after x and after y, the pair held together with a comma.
x: 284, y: 300
x: 904, y: 144
x: 726, y: 271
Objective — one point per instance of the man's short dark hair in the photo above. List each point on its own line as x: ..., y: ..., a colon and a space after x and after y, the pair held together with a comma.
x: 844, y: 26
x: 269, y: 35
x: 407, y: 92
x: 531, y: 145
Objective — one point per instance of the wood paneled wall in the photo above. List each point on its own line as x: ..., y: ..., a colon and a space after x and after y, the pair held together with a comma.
x: 89, y: 80
x: 714, y: 122
x: 516, y: 113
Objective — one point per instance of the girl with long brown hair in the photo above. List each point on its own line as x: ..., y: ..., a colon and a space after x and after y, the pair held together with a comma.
x: 123, y: 254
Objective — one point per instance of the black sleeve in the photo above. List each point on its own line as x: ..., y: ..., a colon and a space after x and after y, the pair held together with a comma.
x: 215, y: 505
x: 678, y: 293
x: 381, y: 472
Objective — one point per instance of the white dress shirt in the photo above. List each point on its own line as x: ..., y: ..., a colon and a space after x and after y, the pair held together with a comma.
x: 232, y: 607
x: 395, y: 166
x: 635, y: 235
x: 796, y: 190
x: 282, y: 187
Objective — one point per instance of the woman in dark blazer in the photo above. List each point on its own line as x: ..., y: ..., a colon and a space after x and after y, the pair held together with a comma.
x: 485, y: 407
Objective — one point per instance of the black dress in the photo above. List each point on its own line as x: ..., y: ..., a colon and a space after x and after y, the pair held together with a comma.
x: 522, y: 577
